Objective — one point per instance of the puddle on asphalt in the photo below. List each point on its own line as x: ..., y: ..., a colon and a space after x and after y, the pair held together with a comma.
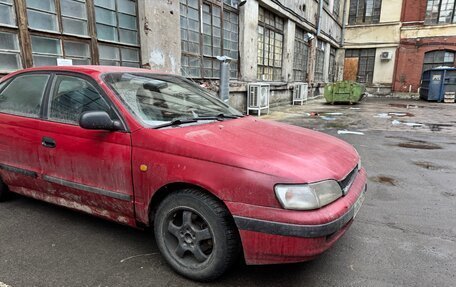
x: 427, y: 165
x: 386, y: 180
x: 448, y: 194
x: 438, y: 127
x: 419, y: 145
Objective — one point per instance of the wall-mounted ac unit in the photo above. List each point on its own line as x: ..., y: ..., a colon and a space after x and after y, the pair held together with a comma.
x: 300, y: 93
x: 386, y: 56
x: 258, y: 97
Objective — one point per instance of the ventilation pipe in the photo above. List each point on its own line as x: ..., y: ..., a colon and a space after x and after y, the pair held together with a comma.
x: 224, y: 91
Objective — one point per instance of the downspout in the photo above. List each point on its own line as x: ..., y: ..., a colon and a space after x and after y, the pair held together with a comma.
x: 344, y: 25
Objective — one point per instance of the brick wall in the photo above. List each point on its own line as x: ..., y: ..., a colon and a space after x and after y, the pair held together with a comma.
x: 410, y: 60
x: 414, y: 10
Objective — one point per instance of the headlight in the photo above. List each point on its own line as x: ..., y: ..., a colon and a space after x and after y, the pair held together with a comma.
x: 308, y: 196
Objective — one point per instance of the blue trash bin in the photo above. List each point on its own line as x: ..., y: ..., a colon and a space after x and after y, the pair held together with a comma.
x: 436, y: 82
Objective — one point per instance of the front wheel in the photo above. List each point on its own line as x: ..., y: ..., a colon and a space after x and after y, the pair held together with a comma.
x: 196, y: 235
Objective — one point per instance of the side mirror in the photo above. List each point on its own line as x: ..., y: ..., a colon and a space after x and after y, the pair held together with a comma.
x: 98, y: 120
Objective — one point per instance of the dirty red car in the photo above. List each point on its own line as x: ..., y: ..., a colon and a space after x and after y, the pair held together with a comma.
x: 146, y: 149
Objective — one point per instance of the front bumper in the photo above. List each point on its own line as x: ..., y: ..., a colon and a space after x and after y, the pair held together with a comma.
x: 272, y: 235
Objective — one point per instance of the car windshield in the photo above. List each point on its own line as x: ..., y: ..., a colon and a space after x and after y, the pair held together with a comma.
x: 160, y: 100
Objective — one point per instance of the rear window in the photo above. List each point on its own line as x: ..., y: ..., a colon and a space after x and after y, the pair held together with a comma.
x: 22, y: 96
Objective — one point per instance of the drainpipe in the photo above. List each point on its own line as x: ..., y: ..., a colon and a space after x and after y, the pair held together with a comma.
x: 344, y: 25
x: 224, y: 92
x: 320, y: 13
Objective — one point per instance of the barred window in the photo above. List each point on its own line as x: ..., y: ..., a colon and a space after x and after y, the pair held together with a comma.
x: 320, y: 62
x: 440, y: 12
x: 117, y: 21
x: 436, y: 59
x: 364, y: 11
x: 9, y: 52
x: 217, y: 35
x: 366, y: 63
x: 7, y: 13
x: 270, y: 46
x: 301, y: 56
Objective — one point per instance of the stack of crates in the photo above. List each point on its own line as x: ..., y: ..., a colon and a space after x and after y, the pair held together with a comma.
x: 449, y: 97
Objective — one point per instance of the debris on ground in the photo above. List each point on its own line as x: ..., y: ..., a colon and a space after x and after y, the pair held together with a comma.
x: 345, y: 132
x: 382, y: 116
x: 327, y: 118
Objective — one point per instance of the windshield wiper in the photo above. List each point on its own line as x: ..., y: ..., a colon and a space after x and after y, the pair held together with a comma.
x: 219, y: 117
x: 176, y: 122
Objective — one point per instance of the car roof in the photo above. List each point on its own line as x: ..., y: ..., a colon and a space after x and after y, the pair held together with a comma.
x: 85, y: 69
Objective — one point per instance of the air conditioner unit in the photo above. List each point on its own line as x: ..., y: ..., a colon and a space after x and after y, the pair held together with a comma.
x: 258, y: 97
x: 300, y: 93
x: 386, y: 56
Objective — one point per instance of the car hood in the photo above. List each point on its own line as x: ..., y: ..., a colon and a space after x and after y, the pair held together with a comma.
x: 285, y: 151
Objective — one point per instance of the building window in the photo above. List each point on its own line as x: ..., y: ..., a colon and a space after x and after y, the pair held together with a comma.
x: 320, y: 62
x: 270, y: 46
x: 301, y: 56
x: 219, y: 36
x: 7, y: 13
x: 336, y: 8
x: 46, y: 51
x: 364, y: 11
x: 116, y: 21
x: 436, y: 59
x: 74, y: 17
x: 440, y: 12
x: 42, y: 15
x: 366, y: 63
x: 9, y: 52
x: 332, y: 65
x: 118, y: 56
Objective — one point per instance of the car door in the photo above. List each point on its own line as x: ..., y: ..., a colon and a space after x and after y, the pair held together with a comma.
x: 85, y: 169
x: 20, y: 110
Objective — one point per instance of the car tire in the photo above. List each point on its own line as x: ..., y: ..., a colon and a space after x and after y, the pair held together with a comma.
x: 4, y: 192
x: 196, y: 235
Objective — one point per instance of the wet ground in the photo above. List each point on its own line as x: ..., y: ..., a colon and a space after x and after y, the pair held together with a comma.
x: 404, y: 235
x: 372, y: 114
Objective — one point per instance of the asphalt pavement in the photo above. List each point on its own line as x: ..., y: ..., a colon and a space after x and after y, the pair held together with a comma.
x: 404, y: 235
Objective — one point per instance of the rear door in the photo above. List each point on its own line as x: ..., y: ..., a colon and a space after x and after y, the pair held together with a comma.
x: 84, y: 169
x: 20, y: 110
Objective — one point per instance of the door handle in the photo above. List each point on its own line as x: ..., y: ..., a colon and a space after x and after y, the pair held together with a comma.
x: 48, y: 142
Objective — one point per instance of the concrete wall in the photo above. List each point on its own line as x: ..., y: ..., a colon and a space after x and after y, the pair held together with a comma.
x: 159, y: 29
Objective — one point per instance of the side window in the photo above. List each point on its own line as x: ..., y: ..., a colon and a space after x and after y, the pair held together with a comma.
x: 73, y: 96
x: 23, y: 95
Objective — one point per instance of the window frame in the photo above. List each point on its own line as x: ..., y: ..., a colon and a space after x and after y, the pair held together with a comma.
x: 296, y: 64
x: 360, y: 56
x: 200, y: 56
x: 270, y: 28
x: 357, y: 12
x: 438, y: 64
x: 319, y: 74
x: 13, y: 8
x: 429, y: 16
x: 18, y: 52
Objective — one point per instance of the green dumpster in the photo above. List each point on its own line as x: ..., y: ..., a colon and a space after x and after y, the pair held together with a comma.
x: 344, y: 92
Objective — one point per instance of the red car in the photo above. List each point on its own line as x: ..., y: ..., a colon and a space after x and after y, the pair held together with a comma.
x: 146, y: 149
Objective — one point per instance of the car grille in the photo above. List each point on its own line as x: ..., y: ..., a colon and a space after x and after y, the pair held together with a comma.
x: 346, y: 183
